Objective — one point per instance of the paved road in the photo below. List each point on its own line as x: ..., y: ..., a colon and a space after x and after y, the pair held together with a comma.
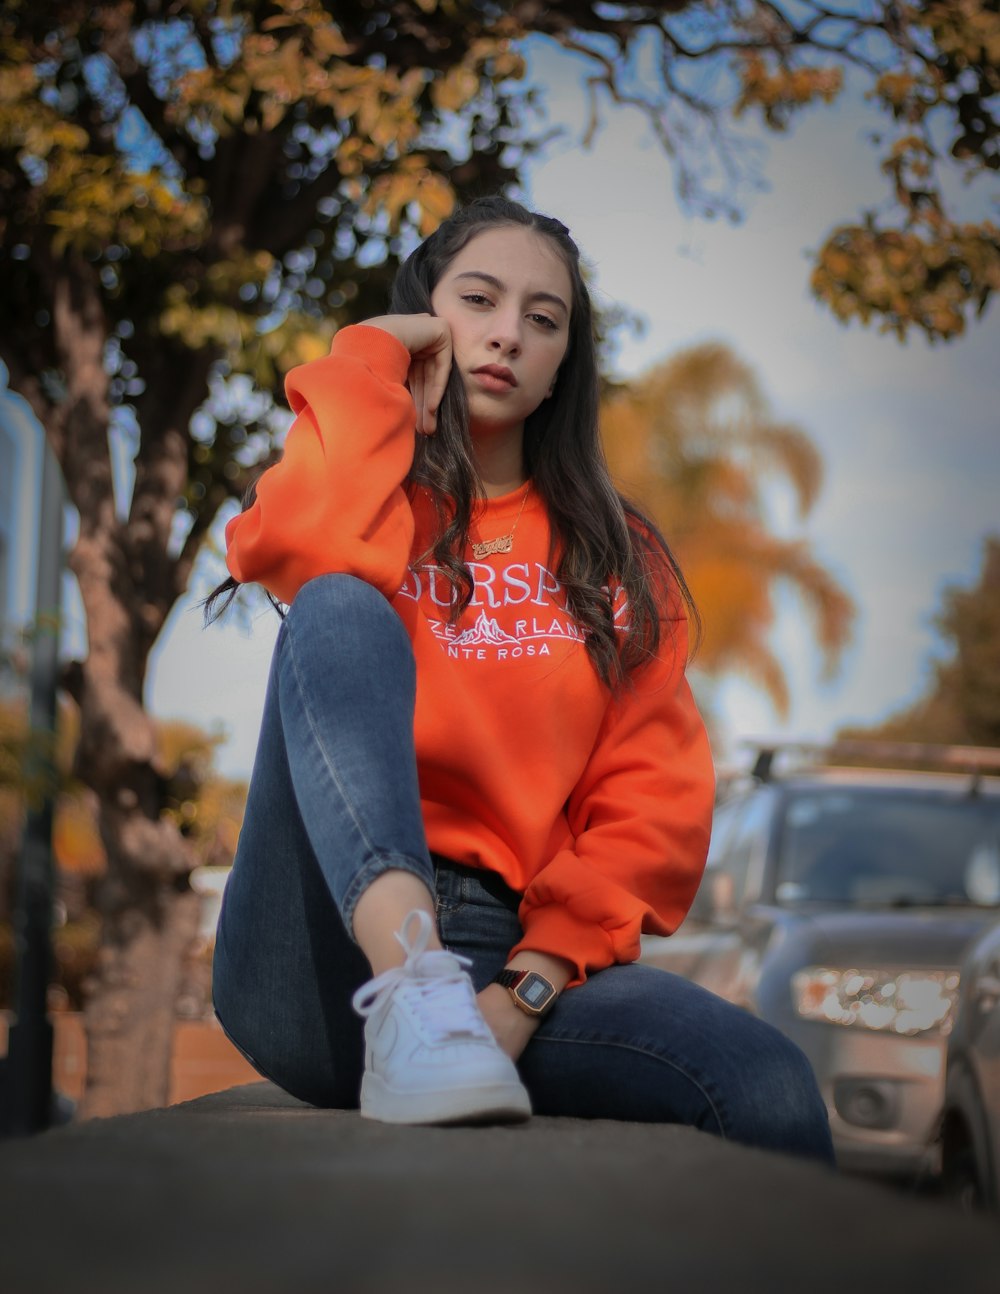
x: 252, y: 1192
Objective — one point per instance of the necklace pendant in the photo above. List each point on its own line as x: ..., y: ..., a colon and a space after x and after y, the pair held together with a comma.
x: 503, y: 544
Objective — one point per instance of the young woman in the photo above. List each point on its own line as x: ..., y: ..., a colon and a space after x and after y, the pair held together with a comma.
x: 481, y: 774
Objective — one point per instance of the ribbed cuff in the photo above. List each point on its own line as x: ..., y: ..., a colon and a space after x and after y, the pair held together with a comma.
x: 553, y: 929
x: 376, y: 348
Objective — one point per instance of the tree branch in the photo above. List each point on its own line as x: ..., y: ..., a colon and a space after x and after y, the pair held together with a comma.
x: 80, y: 334
x: 161, y: 473
x: 279, y: 228
x: 245, y: 168
x: 120, y: 50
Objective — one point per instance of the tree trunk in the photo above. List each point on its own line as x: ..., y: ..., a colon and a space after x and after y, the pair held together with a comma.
x: 128, y: 584
x: 148, y: 926
x: 149, y: 912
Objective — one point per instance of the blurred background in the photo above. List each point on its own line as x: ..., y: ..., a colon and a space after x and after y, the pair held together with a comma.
x: 789, y: 217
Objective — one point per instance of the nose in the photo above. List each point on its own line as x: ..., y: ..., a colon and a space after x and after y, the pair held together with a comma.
x: 505, y: 335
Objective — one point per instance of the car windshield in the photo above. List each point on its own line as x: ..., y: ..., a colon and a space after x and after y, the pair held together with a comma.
x: 889, y: 847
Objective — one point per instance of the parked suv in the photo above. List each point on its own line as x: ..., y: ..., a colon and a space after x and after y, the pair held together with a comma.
x: 971, y: 1125
x: 837, y: 904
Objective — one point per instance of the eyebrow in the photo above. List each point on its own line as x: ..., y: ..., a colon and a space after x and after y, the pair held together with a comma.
x: 494, y: 282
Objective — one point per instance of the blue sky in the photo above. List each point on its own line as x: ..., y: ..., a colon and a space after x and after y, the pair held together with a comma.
x: 909, y: 435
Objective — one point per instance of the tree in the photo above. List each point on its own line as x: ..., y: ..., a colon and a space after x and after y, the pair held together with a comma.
x: 206, y: 807
x: 962, y: 703
x: 191, y: 193
x: 932, y: 66
x: 695, y: 439
x: 197, y: 193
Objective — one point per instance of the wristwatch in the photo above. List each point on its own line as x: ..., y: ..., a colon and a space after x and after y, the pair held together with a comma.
x: 532, y: 992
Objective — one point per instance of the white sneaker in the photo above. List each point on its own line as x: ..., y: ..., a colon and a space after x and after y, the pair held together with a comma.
x: 430, y: 1057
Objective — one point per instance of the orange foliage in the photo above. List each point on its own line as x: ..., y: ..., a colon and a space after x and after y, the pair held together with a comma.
x: 75, y: 838
x: 208, y: 807
x: 694, y: 441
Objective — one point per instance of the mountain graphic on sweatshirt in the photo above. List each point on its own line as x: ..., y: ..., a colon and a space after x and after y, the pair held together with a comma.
x: 483, y: 631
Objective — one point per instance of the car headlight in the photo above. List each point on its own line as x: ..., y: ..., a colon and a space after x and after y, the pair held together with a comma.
x: 894, y: 1002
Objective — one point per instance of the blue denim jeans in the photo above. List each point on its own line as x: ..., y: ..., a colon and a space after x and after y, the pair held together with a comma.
x: 333, y: 803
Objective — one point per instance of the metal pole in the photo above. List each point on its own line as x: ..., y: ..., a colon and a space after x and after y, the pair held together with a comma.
x: 29, y: 1055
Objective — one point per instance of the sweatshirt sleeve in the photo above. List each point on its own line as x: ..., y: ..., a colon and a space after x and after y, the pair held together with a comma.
x: 640, y: 819
x: 335, y: 502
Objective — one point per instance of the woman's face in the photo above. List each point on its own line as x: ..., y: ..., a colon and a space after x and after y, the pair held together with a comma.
x: 507, y: 297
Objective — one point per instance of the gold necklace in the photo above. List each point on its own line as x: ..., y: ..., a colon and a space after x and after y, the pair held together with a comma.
x: 502, y: 543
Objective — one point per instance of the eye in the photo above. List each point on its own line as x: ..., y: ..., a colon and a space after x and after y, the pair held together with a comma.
x: 544, y: 320
x: 476, y: 298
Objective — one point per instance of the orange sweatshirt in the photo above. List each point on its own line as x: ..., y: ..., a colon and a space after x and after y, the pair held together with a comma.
x: 597, y: 808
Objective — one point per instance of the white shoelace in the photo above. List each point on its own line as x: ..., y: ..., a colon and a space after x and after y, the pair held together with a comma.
x: 428, y: 982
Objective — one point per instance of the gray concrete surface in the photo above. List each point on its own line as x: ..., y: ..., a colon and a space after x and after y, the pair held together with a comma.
x: 249, y: 1191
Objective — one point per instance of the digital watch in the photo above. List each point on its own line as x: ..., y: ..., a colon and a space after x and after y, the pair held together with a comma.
x: 532, y: 992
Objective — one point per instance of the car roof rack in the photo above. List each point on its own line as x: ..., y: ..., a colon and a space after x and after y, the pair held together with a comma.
x: 876, y: 753
x: 767, y: 752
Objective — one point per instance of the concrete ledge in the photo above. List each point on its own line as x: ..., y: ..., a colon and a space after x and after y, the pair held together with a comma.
x: 250, y: 1190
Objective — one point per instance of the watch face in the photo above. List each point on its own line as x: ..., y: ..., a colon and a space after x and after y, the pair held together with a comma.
x: 534, y: 991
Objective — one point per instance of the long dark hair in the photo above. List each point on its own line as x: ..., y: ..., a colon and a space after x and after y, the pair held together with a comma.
x: 609, y: 551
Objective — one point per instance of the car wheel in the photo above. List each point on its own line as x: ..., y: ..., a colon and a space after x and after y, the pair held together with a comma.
x: 960, y: 1180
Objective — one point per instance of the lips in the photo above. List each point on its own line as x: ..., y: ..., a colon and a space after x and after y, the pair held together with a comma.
x: 497, y: 373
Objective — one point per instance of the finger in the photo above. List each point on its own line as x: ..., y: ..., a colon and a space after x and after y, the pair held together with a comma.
x: 417, y: 391
x: 419, y: 369
x: 427, y: 419
x: 438, y: 379
x: 432, y: 398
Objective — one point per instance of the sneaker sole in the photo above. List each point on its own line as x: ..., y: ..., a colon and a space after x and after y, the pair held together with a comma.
x: 497, y: 1103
